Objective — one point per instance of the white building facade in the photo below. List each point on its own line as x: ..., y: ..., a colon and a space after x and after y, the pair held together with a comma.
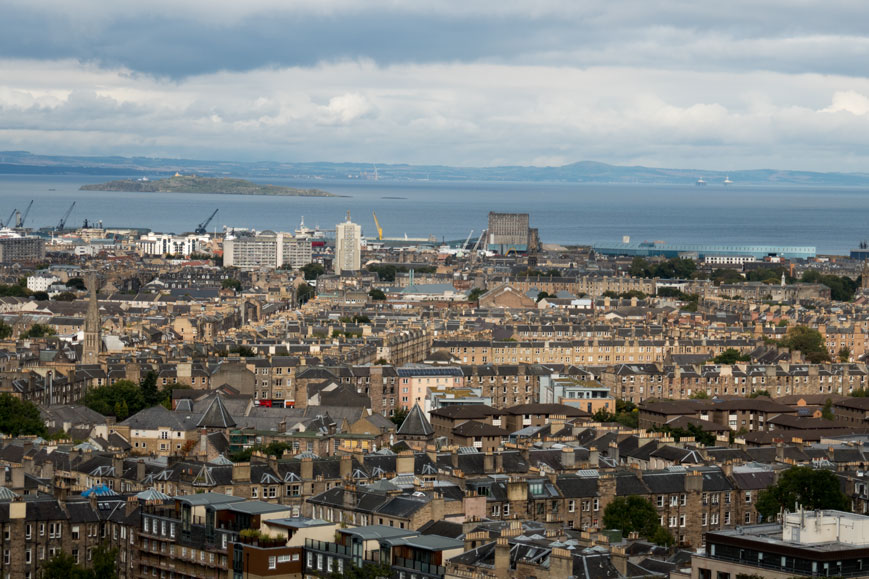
x: 348, y: 246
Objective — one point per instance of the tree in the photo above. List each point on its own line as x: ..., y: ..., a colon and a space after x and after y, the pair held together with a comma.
x: 64, y: 297
x: 810, y: 488
x: 304, y: 293
x: 699, y: 395
x: 230, y: 283
x: 610, y: 294
x: 635, y: 514
x: 377, y: 294
x: 40, y: 296
x: 5, y: 330
x: 842, y: 288
x: 121, y: 410
x: 63, y: 566
x: 844, y: 354
x: 542, y: 296
x: 731, y: 356
x: 38, y: 331
x: 106, y: 399
x: 757, y: 393
x: 76, y: 283
x: 150, y: 395
x: 809, y: 341
x: 475, y: 294
x: 19, y: 417
x: 312, y: 271
x: 385, y: 272
x: 827, y: 410
x: 398, y: 416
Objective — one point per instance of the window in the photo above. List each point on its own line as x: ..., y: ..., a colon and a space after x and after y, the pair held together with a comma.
x: 674, y: 501
x: 683, y: 499
x: 747, y: 497
x: 42, y: 529
x: 748, y: 518
x: 27, y: 557
x: 703, y: 519
x: 673, y: 521
x: 28, y: 531
x: 681, y: 520
x: 727, y: 518
x: 273, y: 562
x: 571, y: 506
x: 660, y: 501
x: 75, y: 532
x: 596, y: 504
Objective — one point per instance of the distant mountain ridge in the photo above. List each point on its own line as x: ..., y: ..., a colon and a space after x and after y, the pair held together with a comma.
x: 23, y: 162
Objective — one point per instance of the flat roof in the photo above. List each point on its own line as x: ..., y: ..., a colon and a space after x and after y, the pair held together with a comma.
x: 429, y: 542
x: 256, y: 507
x: 378, y: 532
x: 299, y: 522
x: 208, y: 499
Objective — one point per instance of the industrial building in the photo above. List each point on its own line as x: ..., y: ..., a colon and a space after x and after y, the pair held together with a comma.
x: 701, y: 251
x: 166, y: 243
x: 17, y: 249
x: 510, y: 233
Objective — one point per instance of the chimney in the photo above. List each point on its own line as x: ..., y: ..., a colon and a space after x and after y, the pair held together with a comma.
x: 619, y: 559
x: 346, y: 466
x: 404, y: 462
x: 454, y: 458
x: 499, y: 462
x: 118, y: 465
x: 568, y: 458
x: 130, y: 505
x: 17, y: 477
x: 694, y: 481
x: 488, y: 463
x: 241, y: 472
x: 561, y: 562
x: 614, y: 452
x: 307, y: 469
x: 779, y: 452
x: 140, y: 470
x: 502, y: 558
x: 594, y: 458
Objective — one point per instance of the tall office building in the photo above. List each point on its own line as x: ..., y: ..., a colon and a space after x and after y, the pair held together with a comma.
x: 348, y: 246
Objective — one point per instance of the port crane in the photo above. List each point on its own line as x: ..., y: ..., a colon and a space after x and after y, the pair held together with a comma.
x: 23, y: 218
x: 62, y: 223
x: 201, y: 229
x: 9, y: 219
x: 468, y: 240
x: 379, y: 229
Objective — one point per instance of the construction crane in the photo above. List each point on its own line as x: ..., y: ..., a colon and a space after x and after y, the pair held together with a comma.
x: 23, y: 218
x: 9, y: 219
x: 465, y: 244
x: 62, y: 223
x: 476, y: 245
x: 201, y: 228
x: 379, y: 229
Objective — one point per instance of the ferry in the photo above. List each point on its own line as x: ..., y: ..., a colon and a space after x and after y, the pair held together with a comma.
x: 700, y: 182
x: 727, y: 181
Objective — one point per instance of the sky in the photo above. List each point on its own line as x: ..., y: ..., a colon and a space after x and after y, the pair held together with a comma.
x: 731, y: 85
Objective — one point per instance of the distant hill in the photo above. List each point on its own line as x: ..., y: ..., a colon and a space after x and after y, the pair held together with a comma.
x: 195, y: 184
x: 22, y: 162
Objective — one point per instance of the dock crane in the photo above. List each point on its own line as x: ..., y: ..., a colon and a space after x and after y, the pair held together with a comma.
x: 201, y: 229
x: 468, y: 240
x: 23, y: 218
x: 62, y: 223
x: 9, y: 219
x: 379, y: 229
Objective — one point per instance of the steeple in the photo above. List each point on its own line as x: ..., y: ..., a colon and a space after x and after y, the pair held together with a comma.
x: 864, y: 281
x: 92, y: 326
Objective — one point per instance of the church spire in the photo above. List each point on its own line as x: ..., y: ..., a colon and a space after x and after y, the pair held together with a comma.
x: 92, y: 326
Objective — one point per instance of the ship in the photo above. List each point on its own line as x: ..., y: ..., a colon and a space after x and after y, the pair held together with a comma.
x: 727, y: 180
x: 700, y: 182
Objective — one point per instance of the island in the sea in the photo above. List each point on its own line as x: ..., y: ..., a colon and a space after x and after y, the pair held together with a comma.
x: 195, y: 184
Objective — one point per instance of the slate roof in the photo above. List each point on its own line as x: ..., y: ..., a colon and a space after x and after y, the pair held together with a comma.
x: 415, y: 424
x: 216, y: 416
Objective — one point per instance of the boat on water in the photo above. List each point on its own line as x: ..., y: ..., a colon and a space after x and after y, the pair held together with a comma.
x: 727, y: 181
x: 700, y: 182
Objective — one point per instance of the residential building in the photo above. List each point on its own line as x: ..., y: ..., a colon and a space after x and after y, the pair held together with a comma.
x: 348, y: 247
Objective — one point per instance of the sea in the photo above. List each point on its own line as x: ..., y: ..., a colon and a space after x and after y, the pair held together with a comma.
x: 833, y: 219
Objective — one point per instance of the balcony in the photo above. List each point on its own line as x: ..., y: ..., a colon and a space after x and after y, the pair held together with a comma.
x: 402, y: 564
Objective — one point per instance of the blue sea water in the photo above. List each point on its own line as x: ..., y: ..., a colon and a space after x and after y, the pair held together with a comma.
x: 834, y: 219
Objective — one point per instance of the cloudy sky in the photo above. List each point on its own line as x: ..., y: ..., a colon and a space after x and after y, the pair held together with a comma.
x: 671, y: 83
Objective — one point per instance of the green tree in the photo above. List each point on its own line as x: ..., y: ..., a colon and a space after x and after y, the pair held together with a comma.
x: 827, y: 410
x: 150, y: 395
x: 38, y: 331
x: 731, y: 356
x: 5, y: 330
x: 634, y: 514
x: 810, y: 488
x: 809, y: 341
x: 842, y: 288
x: 474, y: 294
x: 699, y: 395
x: 757, y: 393
x: 377, y: 294
x: 610, y: 294
x: 40, y: 296
x: 398, y: 416
x: 121, y: 410
x: 76, y: 283
x: 19, y: 417
x: 63, y: 566
x: 384, y: 271
x: 312, y: 271
x: 64, y: 297
x: 230, y: 283
x: 304, y: 293
x: 726, y: 276
x: 844, y: 354
x: 542, y: 295
x: 105, y: 399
